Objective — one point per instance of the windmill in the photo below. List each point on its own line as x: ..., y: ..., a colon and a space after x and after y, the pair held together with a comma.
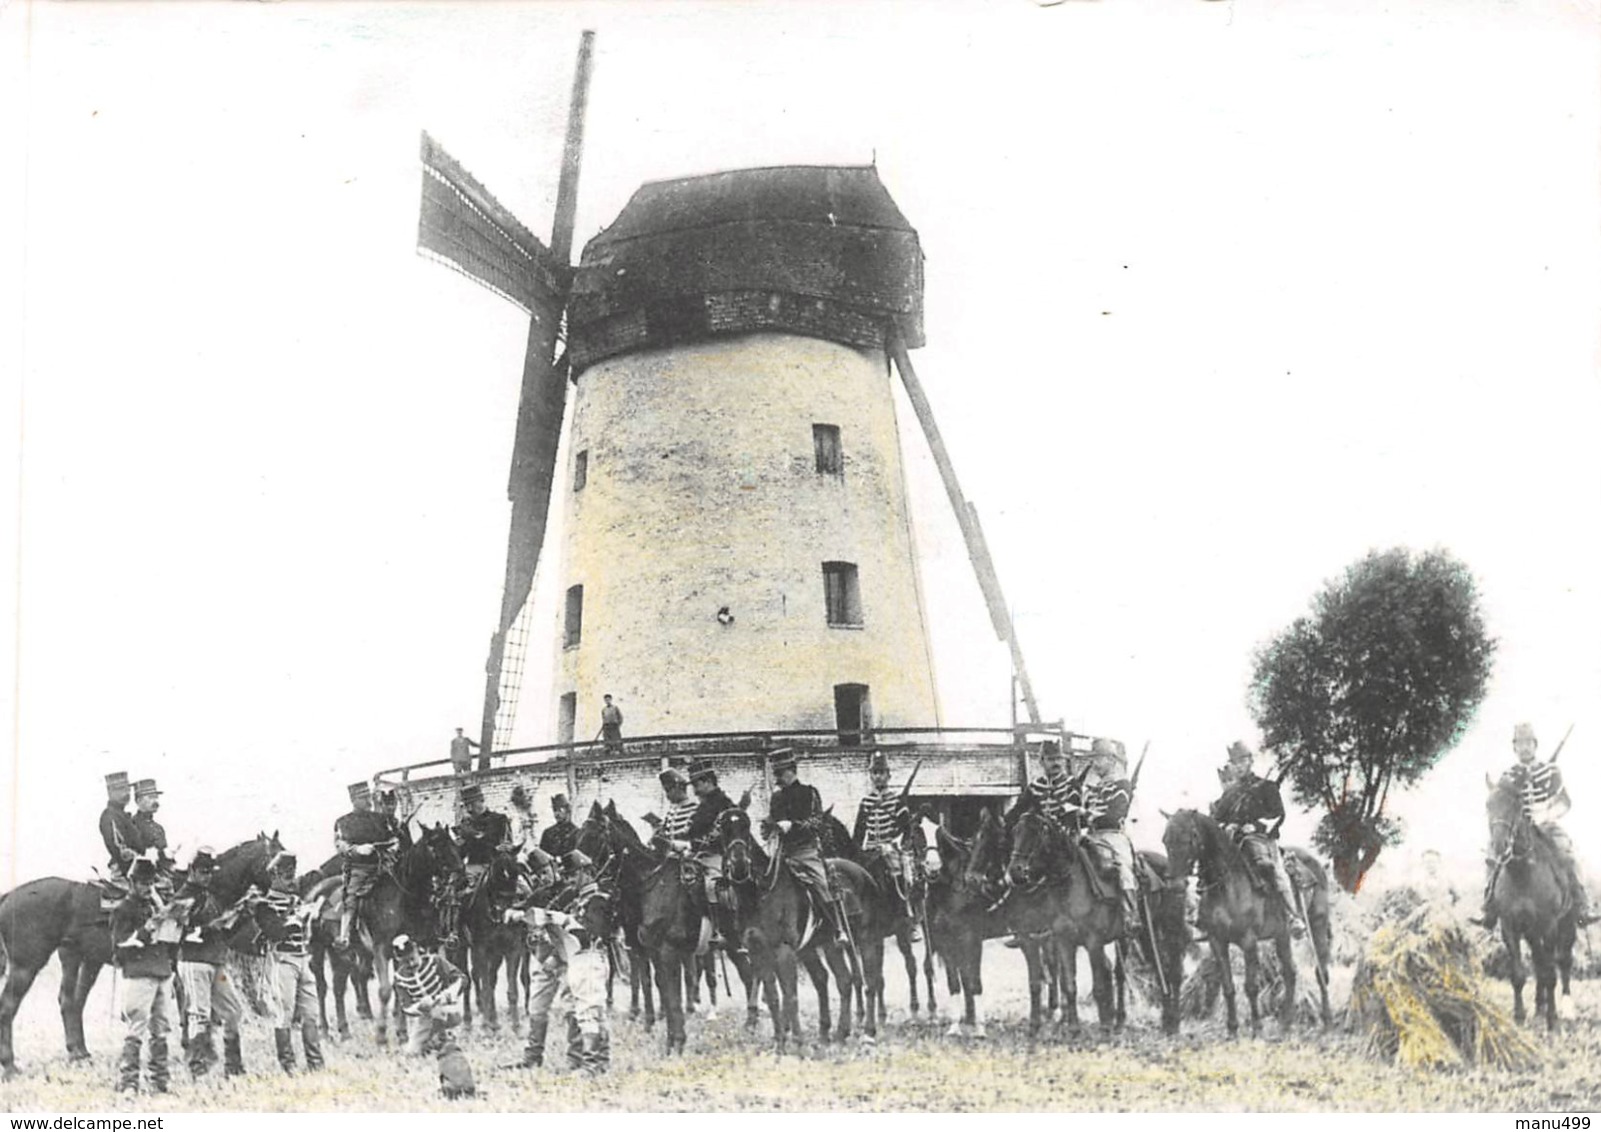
x: 830, y: 259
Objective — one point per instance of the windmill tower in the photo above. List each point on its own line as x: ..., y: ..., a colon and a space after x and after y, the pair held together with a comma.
x: 738, y: 551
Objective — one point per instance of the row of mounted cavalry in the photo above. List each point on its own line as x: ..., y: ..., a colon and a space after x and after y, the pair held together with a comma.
x: 1024, y: 876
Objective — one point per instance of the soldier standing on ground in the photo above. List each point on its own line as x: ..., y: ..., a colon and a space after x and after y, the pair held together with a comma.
x: 285, y: 925
x: 145, y: 949
x: 203, y: 968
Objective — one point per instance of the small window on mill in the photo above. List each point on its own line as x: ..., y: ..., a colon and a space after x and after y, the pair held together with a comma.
x: 825, y: 442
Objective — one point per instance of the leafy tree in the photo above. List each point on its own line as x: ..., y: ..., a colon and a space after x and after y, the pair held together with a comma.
x: 1369, y: 690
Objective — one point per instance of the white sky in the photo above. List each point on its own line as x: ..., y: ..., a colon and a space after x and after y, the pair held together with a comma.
x: 1219, y: 296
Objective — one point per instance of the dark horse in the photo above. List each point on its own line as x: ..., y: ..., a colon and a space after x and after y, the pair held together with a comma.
x: 493, y: 942
x: 780, y: 929
x: 837, y: 842
x: 351, y: 966
x: 404, y: 901
x: 1235, y: 912
x: 56, y: 915
x: 1528, y: 895
x: 1057, y: 874
x: 964, y: 884
x: 659, y: 909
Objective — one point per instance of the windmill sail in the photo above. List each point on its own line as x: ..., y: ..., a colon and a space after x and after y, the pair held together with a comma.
x: 466, y: 228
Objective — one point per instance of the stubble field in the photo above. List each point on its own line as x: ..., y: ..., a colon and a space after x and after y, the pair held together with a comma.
x: 913, y: 1067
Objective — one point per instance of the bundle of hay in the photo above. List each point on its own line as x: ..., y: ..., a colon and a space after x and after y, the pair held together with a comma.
x: 1198, y: 997
x: 1419, y: 995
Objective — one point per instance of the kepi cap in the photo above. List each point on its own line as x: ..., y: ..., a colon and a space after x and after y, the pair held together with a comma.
x: 782, y: 759
x: 700, y: 768
x: 146, y: 788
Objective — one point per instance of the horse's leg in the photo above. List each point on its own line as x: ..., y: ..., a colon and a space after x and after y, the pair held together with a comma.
x: 71, y: 1017
x: 342, y: 978
x: 818, y: 971
x: 1515, y: 974
x: 670, y: 984
x: 643, y: 979
x: 88, y: 974
x: 515, y: 957
x: 319, y: 977
x: 903, y: 944
x: 849, y: 979
x: 786, y: 1019
x: 1225, y: 975
x: 1252, y: 983
x: 1545, y: 979
x: 18, y: 979
x: 380, y: 964
x: 1035, y: 963
x: 1291, y: 1004
x: 1101, y: 987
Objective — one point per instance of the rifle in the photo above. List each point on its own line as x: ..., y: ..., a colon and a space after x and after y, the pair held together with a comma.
x: 1134, y: 780
x: 906, y: 791
x: 1556, y: 754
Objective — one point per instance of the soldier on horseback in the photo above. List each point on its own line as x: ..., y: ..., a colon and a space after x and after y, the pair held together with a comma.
x: 147, y: 800
x: 701, y: 842
x: 562, y: 836
x: 366, y: 841
x: 795, y: 812
x: 1545, y: 800
x: 481, y: 834
x: 389, y: 806
x: 1052, y: 791
x: 117, y: 830
x: 1105, y: 797
x: 1251, y: 809
x: 203, y: 969
x: 883, y: 823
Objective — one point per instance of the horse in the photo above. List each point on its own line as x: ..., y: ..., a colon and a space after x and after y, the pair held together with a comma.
x: 493, y: 942
x: 837, y: 842
x: 1047, y: 857
x: 352, y: 966
x: 779, y: 928
x: 961, y: 916
x: 403, y: 902
x: 659, y: 908
x: 59, y: 916
x: 1529, y: 897
x: 1235, y: 913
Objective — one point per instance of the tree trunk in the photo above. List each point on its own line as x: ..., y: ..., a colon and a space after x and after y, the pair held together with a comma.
x: 1351, y: 867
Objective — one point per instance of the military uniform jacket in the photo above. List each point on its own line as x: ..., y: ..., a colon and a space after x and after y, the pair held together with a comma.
x: 702, y: 831
x: 800, y: 804
x: 131, y: 920
x: 1540, y: 787
x: 1250, y: 802
x: 560, y: 839
x: 1058, y: 797
x: 151, y: 834
x: 1107, y: 803
x: 202, y: 944
x: 430, y: 975
x: 881, y: 819
x: 675, y: 826
x: 483, y: 834
x: 284, y: 926
x: 365, y: 827
x: 117, y: 830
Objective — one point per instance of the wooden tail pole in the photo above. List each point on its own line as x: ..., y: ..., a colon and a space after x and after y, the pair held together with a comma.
x: 966, y: 518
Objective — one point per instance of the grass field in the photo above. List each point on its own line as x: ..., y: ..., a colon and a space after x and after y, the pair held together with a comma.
x: 912, y: 1068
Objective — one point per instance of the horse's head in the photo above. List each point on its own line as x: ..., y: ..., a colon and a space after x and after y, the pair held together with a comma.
x: 1036, y: 839
x: 435, y: 854
x: 733, y: 833
x: 246, y: 864
x: 987, y: 855
x: 1509, y: 825
x: 594, y: 836
x: 1184, y: 842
